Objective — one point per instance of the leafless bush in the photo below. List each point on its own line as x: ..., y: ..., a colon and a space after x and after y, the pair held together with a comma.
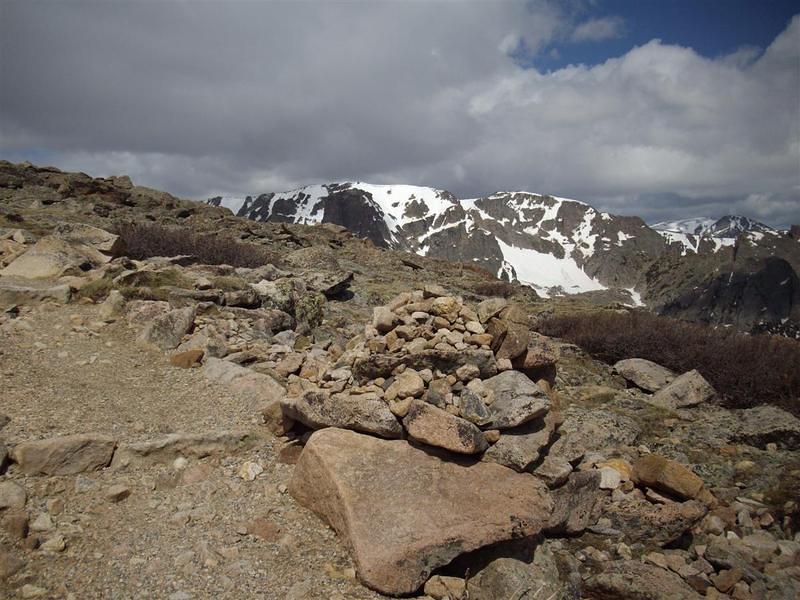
x: 491, y: 289
x: 746, y: 370
x: 148, y: 240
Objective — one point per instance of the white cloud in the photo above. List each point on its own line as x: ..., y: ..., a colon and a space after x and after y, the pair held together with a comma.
x: 596, y: 30
x: 205, y: 98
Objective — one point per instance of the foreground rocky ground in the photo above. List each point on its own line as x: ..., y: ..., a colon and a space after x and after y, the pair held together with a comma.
x: 335, y: 424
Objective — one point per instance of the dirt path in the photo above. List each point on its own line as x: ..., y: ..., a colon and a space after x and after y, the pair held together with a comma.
x: 180, y: 534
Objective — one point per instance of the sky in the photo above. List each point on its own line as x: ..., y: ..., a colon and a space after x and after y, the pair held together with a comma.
x: 664, y: 109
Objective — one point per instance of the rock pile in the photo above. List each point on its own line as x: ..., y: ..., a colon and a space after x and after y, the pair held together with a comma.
x: 428, y: 369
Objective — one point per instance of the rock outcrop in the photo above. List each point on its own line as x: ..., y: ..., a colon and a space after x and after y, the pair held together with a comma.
x: 404, y: 512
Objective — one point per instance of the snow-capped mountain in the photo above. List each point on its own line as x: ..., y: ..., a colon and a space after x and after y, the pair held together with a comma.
x: 556, y: 245
x: 731, y: 270
x: 703, y: 233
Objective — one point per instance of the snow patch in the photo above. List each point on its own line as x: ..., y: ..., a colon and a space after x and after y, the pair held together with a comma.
x: 545, y: 271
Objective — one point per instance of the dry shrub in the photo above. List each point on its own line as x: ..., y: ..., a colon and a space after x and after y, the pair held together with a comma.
x: 478, y: 270
x: 148, y: 240
x: 746, y: 370
x: 491, y: 289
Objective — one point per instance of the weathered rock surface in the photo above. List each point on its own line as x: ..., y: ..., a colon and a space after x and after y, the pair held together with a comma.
x: 491, y: 307
x: 193, y: 445
x: 592, y: 430
x: 517, y: 400
x: 634, y: 580
x: 404, y: 512
x: 506, y: 578
x: 243, y: 380
x: 520, y: 449
x: 660, y: 524
x: 20, y: 294
x: 12, y: 495
x: 431, y: 425
x: 361, y: 412
x: 645, y: 374
x: 576, y: 503
x: 539, y: 354
x: 762, y: 425
x: 53, y: 257
x: 166, y: 331
x: 99, y: 239
x: 689, y: 389
x: 66, y: 455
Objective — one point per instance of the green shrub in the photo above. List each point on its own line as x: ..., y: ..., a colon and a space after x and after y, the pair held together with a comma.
x: 746, y: 370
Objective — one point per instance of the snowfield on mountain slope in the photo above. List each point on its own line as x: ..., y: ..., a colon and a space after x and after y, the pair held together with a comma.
x: 545, y: 271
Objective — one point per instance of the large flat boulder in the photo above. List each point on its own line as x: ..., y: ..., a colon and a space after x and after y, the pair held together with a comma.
x: 766, y: 424
x: 242, y: 380
x: 99, y: 239
x: 22, y: 294
x: 360, y: 412
x: 195, y: 445
x: 53, y: 257
x: 644, y: 374
x: 404, y: 512
x: 65, y: 455
x: 689, y: 389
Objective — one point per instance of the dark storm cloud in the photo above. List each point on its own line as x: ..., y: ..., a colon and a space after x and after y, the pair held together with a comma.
x: 203, y: 98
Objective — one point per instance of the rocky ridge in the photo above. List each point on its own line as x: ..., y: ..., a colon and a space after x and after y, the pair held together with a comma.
x: 561, y: 475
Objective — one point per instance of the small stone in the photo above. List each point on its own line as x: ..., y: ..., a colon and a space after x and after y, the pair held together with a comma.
x: 55, y: 506
x: 42, y: 523
x: 264, y: 529
x: 15, y: 524
x: 492, y: 436
x: 609, y: 478
x: 440, y: 587
x: 504, y: 364
x: 467, y: 372
x: 32, y: 591
x: 400, y: 408
x: 726, y: 579
x: 12, y: 495
x: 383, y: 319
x: 118, y: 493
x: 475, y: 327
x: 249, y: 471
x: 57, y: 543
x: 187, y: 359
x: 407, y: 384
x: 9, y: 564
